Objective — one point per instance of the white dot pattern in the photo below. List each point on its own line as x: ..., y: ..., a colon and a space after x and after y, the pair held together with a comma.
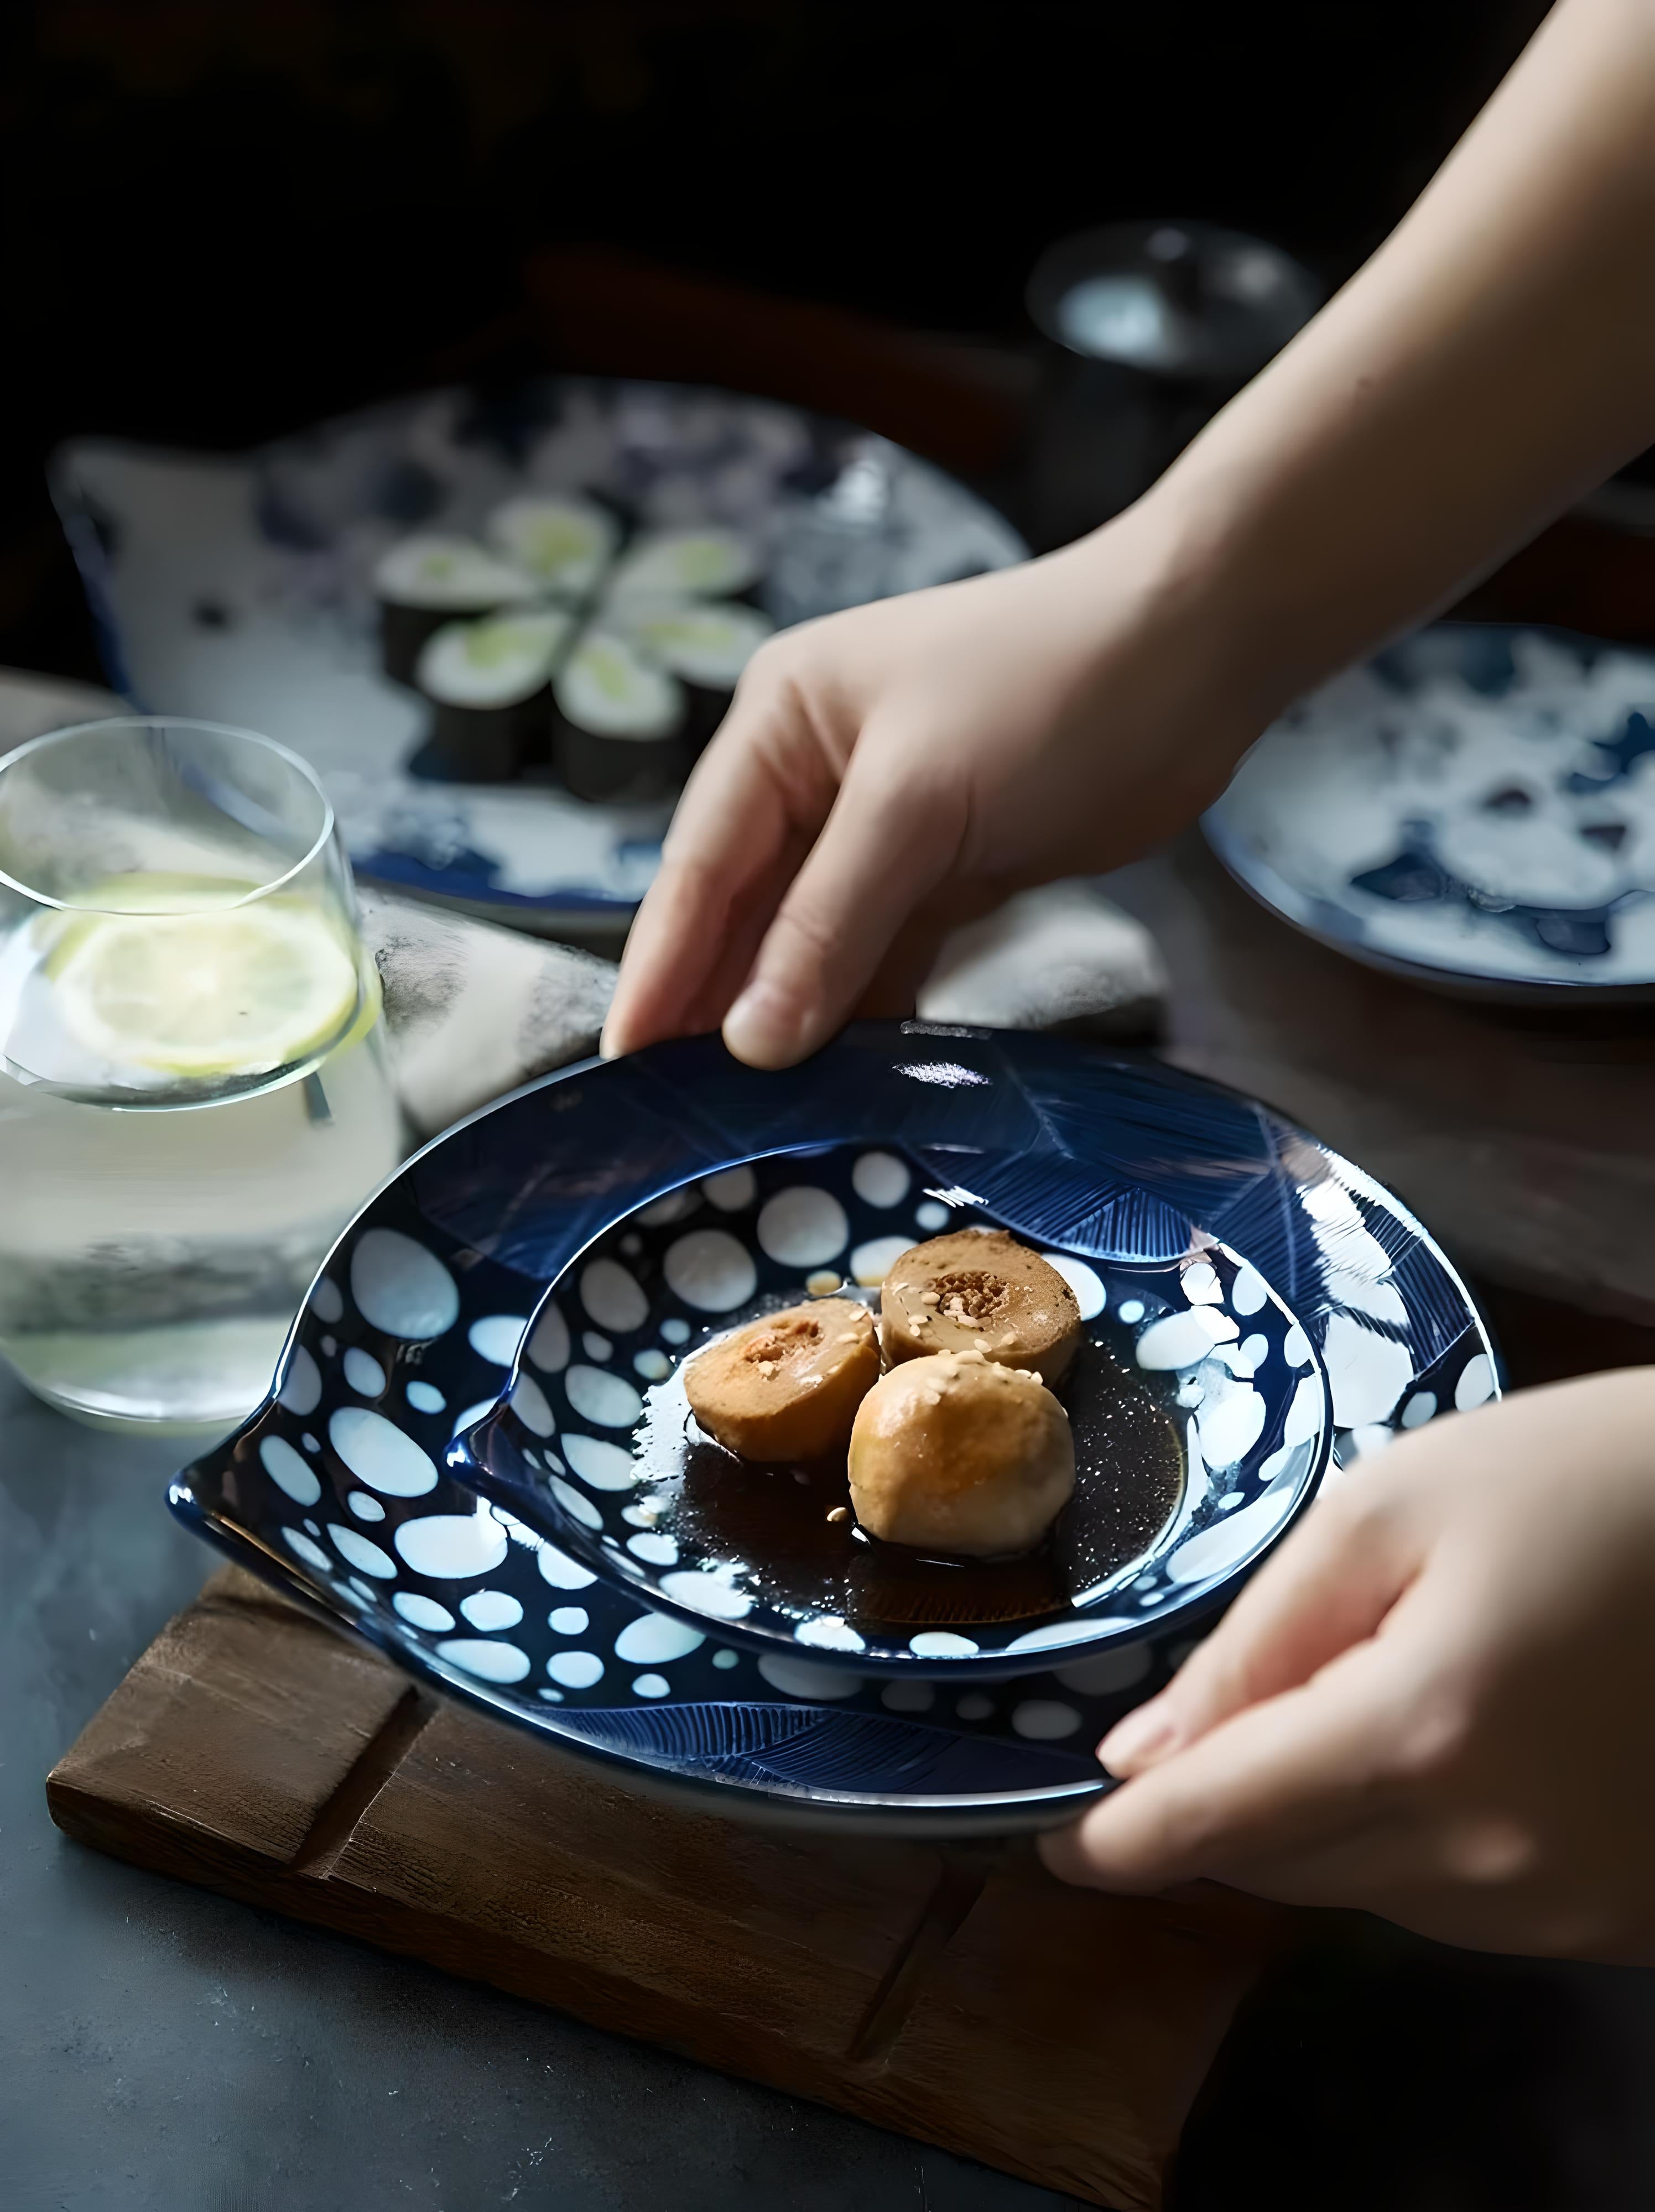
x: 488, y: 1660
x: 710, y: 1271
x: 288, y: 1471
x: 402, y: 1288
x: 1233, y: 1383
x: 380, y: 1454
x: 367, y: 1557
x: 363, y: 1372
x: 496, y: 1337
x: 302, y: 1386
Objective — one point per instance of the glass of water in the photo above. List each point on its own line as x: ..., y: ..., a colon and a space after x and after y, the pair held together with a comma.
x: 193, y: 1092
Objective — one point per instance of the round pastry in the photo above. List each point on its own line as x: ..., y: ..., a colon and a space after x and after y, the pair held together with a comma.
x: 788, y: 1386
x: 955, y: 1453
x: 979, y: 1289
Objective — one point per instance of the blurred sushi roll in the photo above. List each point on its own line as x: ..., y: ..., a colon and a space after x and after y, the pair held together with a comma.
x: 426, y: 581
x: 705, y: 645
x: 567, y: 545
x: 687, y: 564
x: 621, y: 729
x: 490, y: 685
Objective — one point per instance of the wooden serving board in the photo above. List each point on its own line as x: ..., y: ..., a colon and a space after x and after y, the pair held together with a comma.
x: 959, y: 1996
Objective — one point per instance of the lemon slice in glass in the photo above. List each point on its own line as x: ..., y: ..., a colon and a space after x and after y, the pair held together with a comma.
x: 234, y: 991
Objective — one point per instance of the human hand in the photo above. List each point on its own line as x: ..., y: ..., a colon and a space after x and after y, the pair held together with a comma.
x: 888, y: 773
x: 1434, y: 1701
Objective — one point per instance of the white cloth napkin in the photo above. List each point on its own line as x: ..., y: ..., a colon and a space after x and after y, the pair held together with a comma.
x: 1062, y: 957
x: 473, y: 1010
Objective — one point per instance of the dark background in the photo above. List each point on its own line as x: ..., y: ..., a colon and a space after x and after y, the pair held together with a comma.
x: 221, y: 220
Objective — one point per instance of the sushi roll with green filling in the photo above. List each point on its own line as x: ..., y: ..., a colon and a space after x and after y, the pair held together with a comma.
x: 620, y: 732
x: 705, y: 645
x: 688, y: 564
x: 490, y: 685
x: 426, y: 581
x: 567, y: 545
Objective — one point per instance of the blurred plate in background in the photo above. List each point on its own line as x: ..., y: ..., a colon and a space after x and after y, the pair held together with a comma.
x: 1474, y: 808
x: 239, y: 588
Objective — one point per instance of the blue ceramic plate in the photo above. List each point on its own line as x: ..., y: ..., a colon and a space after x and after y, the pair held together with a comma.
x: 238, y: 588
x: 1200, y: 1415
x: 390, y: 1481
x: 1475, y: 809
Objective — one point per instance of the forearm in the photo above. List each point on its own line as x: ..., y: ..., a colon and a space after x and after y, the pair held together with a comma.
x: 1494, y: 360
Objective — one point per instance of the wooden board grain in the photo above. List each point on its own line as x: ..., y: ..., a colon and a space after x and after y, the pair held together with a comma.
x: 962, y: 1997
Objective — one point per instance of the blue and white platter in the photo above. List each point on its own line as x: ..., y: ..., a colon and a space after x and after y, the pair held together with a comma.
x: 1474, y: 809
x: 446, y: 1465
x: 239, y: 589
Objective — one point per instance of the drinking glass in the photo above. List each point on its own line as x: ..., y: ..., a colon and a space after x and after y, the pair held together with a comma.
x: 193, y: 1092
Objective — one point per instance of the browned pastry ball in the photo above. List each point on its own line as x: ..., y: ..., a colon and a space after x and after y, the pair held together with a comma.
x: 787, y: 1385
x: 979, y: 1289
x: 954, y: 1454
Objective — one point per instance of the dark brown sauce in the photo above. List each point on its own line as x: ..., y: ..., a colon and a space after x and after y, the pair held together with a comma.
x: 1130, y: 1477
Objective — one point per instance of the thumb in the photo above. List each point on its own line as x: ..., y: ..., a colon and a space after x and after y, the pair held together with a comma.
x: 886, y: 845
x: 1329, y: 1587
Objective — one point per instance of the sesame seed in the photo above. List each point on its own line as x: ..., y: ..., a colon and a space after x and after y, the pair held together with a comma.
x: 840, y: 1513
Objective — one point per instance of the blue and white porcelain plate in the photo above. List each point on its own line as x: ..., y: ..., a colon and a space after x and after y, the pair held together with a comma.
x: 1199, y: 1412
x: 389, y: 1482
x: 239, y: 589
x: 1474, y: 808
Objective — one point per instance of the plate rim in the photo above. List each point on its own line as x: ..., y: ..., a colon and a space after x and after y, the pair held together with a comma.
x: 1278, y: 896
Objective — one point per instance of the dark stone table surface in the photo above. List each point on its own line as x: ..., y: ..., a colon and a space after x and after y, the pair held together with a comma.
x: 162, y: 2049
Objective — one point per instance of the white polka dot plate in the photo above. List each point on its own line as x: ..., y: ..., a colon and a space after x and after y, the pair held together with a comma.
x: 1193, y: 1384
x: 452, y: 1466
x: 1475, y: 809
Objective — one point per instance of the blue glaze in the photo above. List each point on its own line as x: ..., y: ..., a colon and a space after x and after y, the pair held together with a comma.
x: 1101, y: 1154
x: 637, y: 1253
x: 1550, y: 730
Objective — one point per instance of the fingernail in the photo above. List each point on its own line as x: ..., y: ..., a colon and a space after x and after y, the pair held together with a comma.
x: 1135, y: 1739
x: 764, y: 1025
